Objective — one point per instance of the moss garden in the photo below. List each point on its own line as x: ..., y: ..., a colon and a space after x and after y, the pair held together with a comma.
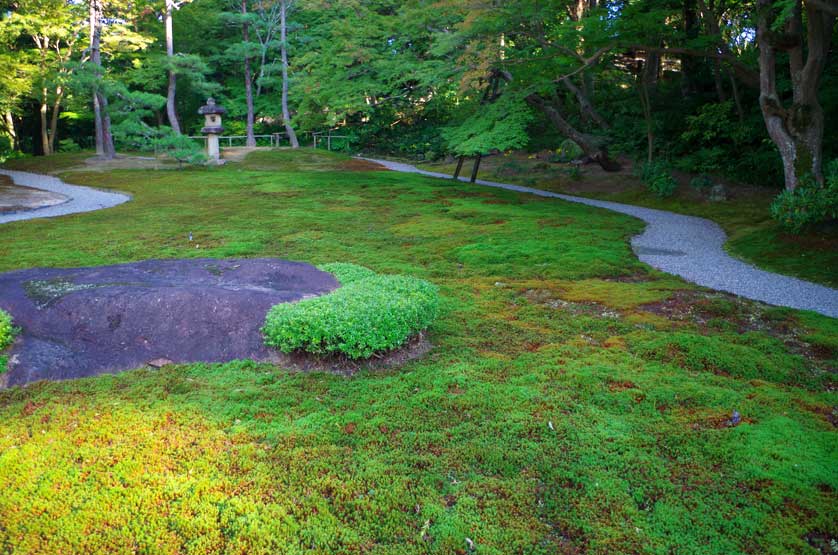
x: 575, y: 401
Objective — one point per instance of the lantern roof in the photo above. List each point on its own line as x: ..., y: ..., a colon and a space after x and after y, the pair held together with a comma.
x: 211, y: 108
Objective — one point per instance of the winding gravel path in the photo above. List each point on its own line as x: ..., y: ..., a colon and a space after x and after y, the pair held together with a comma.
x: 691, y: 248
x: 82, y: 199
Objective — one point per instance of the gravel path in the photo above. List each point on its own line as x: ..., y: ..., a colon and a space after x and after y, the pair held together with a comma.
x: 82, y: 199
x: 692, y: 248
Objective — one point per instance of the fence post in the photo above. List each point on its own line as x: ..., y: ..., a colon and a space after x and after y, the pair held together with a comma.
x: 329, y: 141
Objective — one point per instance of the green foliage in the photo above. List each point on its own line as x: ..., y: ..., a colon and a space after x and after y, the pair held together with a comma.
x: 366, y: 316
x: 500, y: 125
x: 181, y: 148
x: 809, y: 204
x: 347, y: 273
x: 68, y: 145
x: 658, y: 178
x: 6, y: 330
x: 7, y: 335
x: 568, y: 151
x: 702, y: 183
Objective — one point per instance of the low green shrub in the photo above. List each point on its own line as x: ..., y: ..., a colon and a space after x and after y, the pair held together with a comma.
x: 7, y: 331
x: 68, y: 145
x: 568, y: 151
x: 7, y: 335
x: 658, y: 178
x: 346, y: 272
x: 367, y: 315
x: 702, y: 183
x: 809, y: 204
x: 181, y: 148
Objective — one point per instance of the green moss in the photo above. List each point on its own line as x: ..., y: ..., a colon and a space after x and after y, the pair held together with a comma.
x: 748, y: 356
x: 753, y: 235
x: 530, y: 428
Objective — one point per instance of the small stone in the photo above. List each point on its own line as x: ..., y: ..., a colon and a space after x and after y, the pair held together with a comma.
x: 159, y: 362
x: 718, y: 193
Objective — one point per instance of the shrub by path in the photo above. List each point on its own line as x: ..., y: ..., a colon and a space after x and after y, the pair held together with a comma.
x: 689, y: 247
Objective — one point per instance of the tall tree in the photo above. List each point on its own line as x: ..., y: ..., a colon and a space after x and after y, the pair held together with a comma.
x: 796, y: 129
x: 283, y: 38
x: 171, y: 107
x: 248, y: 80
x: 266, y: 26
x: 102, y: 118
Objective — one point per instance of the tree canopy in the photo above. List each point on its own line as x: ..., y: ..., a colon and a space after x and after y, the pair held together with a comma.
x: 744, y: 88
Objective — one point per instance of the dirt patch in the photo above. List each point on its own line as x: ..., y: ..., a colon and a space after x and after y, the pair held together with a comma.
x: 123, y: 162
x: 355, y: 165
x: 416, y: 347
x: 709, y: 311
x: 86, y: 321
x: 239, y: 153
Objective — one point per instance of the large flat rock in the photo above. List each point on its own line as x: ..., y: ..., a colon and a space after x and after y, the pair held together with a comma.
x: 86, y: 321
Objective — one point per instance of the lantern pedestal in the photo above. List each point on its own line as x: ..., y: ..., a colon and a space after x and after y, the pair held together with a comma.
x: 212, y: 129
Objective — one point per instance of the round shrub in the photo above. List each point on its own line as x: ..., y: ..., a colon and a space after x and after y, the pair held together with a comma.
x: 658, y: 178
x: 346, y: 272
x: 809, y: 204
x: 365, y: 316
x: 568, y: 151
x: 6, y: 330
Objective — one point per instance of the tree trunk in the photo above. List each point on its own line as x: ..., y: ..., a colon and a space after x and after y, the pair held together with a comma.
x: 585, y: 107
x: 737, y: 98
x: 171, y: 110
x: 797, y: 131
x: 646, y: 104
x: 717, y: 81
x: 688, y: 65
x: 44, y: 133
x: 261, y: 78
x: 459, y: 168
x: 53, y: 124
x: 286, y: 115
x: 594, y: 148
x: 9, y: 123
x: 248, y: 84
x: 475, y: 168
x: 102, y: 120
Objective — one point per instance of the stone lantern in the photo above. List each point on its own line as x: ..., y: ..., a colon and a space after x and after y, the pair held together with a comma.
x: 212, y: 127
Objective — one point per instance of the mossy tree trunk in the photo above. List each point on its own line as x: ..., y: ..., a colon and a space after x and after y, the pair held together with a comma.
x: 796, y: 130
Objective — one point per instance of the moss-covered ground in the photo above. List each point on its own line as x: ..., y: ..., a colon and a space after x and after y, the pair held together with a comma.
x: 575, y: 401
x: 753, y: 235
